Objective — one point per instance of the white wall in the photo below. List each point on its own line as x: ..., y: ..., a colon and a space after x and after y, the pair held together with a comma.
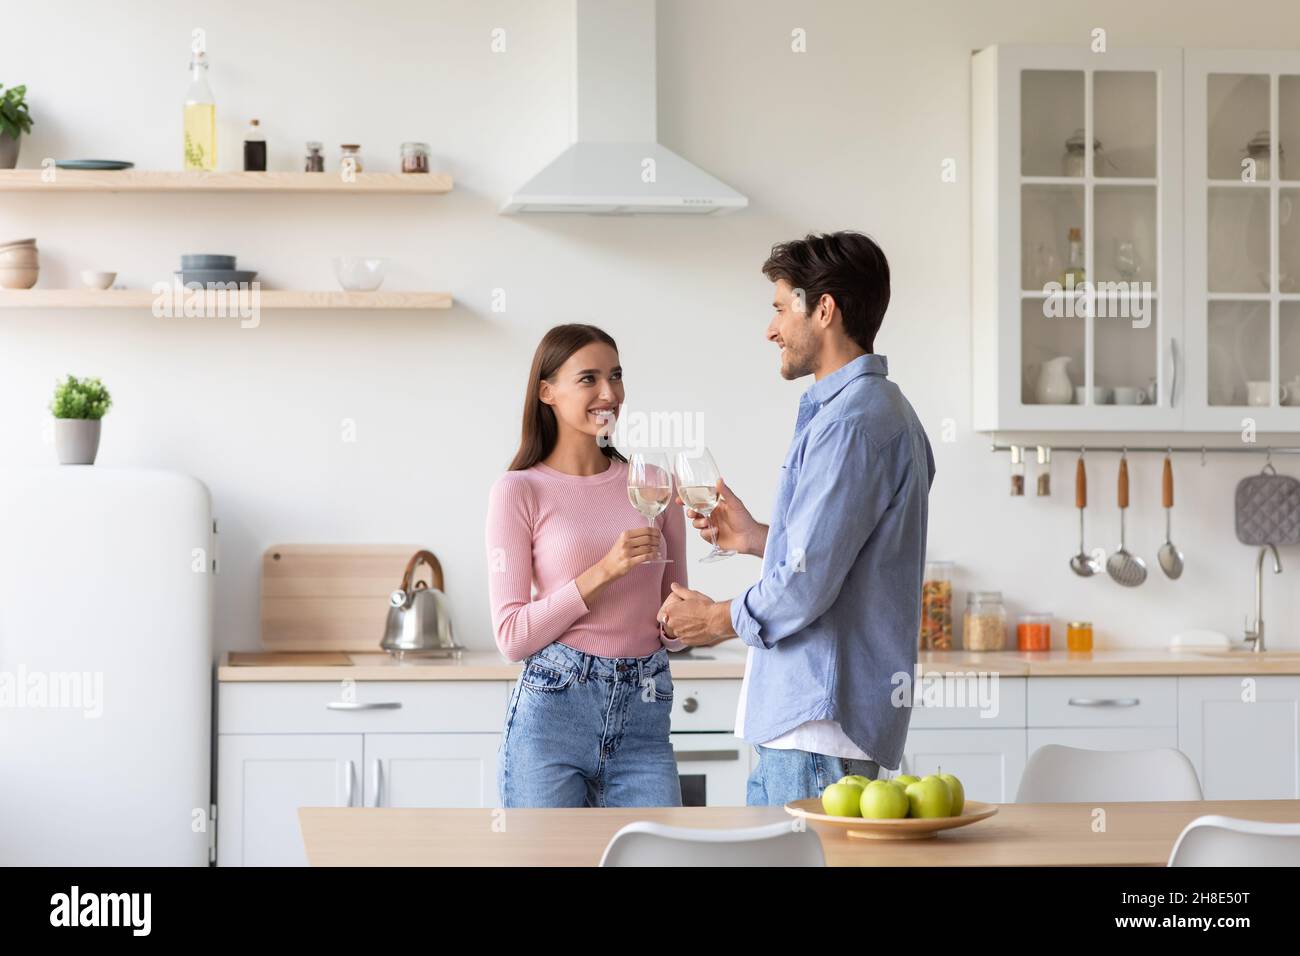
x: 848, y: 135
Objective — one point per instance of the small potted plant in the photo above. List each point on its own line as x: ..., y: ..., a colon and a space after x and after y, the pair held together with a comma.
x: 78, y: 406
x: 14, y: 121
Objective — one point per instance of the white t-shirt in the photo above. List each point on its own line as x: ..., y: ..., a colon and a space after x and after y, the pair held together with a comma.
x: 813, y: 736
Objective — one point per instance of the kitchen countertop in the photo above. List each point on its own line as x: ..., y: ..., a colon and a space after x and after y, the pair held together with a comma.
x: 1026, y: 834
x: 728, y: 662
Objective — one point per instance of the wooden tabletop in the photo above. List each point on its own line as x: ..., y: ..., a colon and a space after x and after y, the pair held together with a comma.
x: 1061, y: 834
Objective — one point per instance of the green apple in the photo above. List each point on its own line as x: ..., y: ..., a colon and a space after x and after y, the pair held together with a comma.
x: 842, y: 800
x: 856, y: 779
x: 929, y: 797
x: 906, y: 779
x: 958, y: 792
x: 883, y: 800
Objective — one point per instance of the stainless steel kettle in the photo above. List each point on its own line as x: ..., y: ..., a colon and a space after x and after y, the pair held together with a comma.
x: 419, y: 621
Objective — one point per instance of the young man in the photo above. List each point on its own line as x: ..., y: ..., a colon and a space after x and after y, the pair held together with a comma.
x: 835, y: 616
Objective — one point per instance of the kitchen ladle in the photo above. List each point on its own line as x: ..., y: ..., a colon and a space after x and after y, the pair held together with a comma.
x: 1170, y: 558
x: 1083, y: 564
x: 1125, y: 568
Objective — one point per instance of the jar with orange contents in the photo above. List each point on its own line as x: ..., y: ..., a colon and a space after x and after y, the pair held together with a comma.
x: 1078, y: 636
x: 1034, y: 632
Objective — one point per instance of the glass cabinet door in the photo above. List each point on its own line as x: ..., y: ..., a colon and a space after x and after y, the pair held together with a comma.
x: 1095, y: 241
x: 1244, y: 238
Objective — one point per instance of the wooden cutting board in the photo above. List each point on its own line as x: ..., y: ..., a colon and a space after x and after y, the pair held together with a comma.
x: 330, y: 597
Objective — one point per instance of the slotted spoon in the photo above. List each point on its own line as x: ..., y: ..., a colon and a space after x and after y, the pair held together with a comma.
x: 1125, y: 568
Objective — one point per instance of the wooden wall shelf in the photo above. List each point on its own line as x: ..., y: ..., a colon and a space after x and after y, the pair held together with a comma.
x: 134, y: 180
x: 270, y: 299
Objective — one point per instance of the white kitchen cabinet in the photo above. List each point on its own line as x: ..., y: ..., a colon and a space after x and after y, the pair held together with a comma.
x: 1072, y: 147
x: 263, y: 779
x: 988, y: 762
x: 1242, y: 734
x: 1242, y: 243
x: 431, y: 770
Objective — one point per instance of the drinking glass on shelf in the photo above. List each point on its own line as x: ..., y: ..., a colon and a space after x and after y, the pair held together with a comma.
x: 649, y: 488
x: 1126, y: 261
x: 697, y: 485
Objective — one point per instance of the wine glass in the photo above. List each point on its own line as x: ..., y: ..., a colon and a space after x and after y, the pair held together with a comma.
x: 697, y: 484
x: 649, y: 488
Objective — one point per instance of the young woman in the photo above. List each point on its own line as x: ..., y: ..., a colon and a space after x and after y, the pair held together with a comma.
x: 574, y: 599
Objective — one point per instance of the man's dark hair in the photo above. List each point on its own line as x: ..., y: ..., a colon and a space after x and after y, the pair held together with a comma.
x: 845, y: 265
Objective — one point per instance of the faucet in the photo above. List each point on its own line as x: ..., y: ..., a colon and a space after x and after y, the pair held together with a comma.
x: 1255, y: 629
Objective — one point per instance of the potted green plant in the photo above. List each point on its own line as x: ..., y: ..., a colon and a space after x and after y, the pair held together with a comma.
x: 78, y: 406
x: 14, y: 121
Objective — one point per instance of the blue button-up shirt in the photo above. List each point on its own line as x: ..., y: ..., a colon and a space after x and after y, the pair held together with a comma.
x: 836, y: 614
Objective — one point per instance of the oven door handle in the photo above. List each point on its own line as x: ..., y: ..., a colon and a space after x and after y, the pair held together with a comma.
x: 699, y: 756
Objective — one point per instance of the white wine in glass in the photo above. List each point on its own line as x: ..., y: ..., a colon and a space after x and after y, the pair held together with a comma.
x: 649, y: 488
x: 697, y: 484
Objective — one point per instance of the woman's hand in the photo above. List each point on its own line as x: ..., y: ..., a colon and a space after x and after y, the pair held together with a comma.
x: 736, y: 528
x: 633, y: 547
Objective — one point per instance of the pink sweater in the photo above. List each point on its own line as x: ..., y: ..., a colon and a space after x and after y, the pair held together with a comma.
x: 544, y: 528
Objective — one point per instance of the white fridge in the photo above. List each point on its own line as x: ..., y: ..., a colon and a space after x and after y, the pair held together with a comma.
x: 105, y: 667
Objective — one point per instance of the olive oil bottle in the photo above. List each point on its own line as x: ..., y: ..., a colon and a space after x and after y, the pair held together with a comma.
x: 200, y: 118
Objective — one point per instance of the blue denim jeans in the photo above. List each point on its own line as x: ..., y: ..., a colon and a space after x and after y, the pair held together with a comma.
x: 784, y: 775
x: 586, y: 731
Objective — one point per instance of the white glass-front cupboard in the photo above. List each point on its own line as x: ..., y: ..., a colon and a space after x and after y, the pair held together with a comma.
x: 1135, y: 259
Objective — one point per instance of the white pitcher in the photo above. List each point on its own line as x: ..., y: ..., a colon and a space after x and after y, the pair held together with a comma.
x: 1054, y: 386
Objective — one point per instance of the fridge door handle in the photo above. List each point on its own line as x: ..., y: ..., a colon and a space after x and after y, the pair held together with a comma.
x: 1173, y: 380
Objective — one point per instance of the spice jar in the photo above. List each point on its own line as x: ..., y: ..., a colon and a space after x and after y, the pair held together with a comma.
x: 1078, y: 636
x: 1044, y: 481
x: 315, y: 160
x: 1034, y: 632
x: 985, y: 625
x: 350, y: 155
x: 936, y: 607
x: 1017, y: 471
x: 415, y: 157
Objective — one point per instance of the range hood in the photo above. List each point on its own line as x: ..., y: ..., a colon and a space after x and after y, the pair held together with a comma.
x: 615, y: 165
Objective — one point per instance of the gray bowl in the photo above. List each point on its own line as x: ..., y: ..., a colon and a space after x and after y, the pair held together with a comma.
x: 204, y: 260
x: 206, y: 276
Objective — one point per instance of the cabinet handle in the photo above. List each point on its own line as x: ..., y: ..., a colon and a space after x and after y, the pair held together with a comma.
x: 376, y: 774
x: 347, y: 785
x: 688, y: 756
x: 1173, y: 380
x: 357, y: 705
x: 1104, y: 701
x: 690, y: 705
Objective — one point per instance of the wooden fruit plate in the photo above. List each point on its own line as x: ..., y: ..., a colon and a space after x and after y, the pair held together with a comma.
x: 906, y: 828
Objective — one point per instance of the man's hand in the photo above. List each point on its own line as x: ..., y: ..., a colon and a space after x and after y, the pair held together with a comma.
x: 730, y: 523
x: 694, y: 618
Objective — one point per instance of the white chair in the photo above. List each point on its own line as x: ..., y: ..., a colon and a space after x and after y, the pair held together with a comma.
x: 1057, y: 774
x: 1226, y: 841
x: 654, y: 844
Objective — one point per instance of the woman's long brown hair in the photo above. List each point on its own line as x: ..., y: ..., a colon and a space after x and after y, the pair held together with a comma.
x: 540, y: 429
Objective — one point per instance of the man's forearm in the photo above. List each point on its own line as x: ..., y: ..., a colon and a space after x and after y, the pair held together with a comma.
x: 757, y: 541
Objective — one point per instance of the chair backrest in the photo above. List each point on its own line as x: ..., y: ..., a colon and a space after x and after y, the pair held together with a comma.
x: 1227, y: 841
x: 654, y: 844
x: 1057, y: 774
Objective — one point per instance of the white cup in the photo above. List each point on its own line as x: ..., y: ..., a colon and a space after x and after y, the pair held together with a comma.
x: 1128, y: 395
x: 1260, y: 394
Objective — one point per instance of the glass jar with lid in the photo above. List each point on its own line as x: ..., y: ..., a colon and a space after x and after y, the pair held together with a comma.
x: 984, y: 627
x: 415, y: 157
x: 350, y: 157
x: 936, y: 607
x: 1034, y: 632
x: 315, y: 162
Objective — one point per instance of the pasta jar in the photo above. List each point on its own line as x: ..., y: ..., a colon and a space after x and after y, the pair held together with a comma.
x: 1034, y: 632
x: 985, y: 625
x: 936, y: 607
x: 1078, y: 636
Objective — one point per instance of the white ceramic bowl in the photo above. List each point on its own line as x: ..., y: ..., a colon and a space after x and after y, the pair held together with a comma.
x: 97, y: 280
x: 359, y: 274
x: 18, y: 277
